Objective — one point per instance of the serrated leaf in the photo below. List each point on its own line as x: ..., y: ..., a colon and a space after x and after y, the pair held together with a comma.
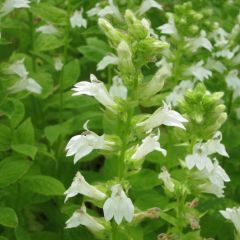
x: 44, y: 185
x: 12, y: 169
x: 8, y: 217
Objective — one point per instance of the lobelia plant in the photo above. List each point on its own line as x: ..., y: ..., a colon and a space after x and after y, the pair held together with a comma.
x: 134, y: 134
x: 147, y: 144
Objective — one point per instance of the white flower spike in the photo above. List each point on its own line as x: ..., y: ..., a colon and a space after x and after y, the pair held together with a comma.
x: 96, y: 89
x: 118, y: 206
x: 109, y: 59
x: 163, y: 116
x: 80, y: 217
x: 80, y: 186
x: 232, y: 214
x: 214, y: 145
x: 233, y: 82
x: 118, y: 89
x: 199, y: 158
x: 148, y: 4
x: 149, y: 144
x: 77, y: 20
x: 166, y: 178
x: 82, y: 145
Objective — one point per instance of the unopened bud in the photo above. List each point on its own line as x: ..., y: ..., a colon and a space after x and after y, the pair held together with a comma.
x: 137, y: 28
x: 113, y: 34
x: 125, y: 63
x: 156, y: 84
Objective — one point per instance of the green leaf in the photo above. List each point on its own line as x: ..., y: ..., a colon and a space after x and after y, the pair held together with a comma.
x: 25, y: 149
x: 5, y: 137
x: 25, y: 133
x: 8, y: 217
x: 44, y: 185
x: 71, y: 72
x: 21, y: 234
x: 145, y: 179
x: 46, y: 42
x: 3, y: 238
x: 49, y: 13
x: 12, y: 169
x: 53, y: 132
x: 95, y: 49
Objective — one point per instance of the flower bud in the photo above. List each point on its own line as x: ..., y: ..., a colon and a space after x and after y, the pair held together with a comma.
x: 155, y: 84
x: 139, y: 29
x: 125, y: 63
x: 113, y: 34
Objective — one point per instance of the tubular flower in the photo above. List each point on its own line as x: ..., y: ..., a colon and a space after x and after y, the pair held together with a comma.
x: 163, y: 116
x: 80, y: 217
x: 149, y: 144
x: 79, y: 185
x: 118, y: 89
x: 232, y: 214
x: 96, y: 89
x: 77, y: 19
x: 109, y: 59
x: 199, y: 158
x: 214, y: 145
x: 118, y: 206
x: 166, y: 178
x: 82, y: 145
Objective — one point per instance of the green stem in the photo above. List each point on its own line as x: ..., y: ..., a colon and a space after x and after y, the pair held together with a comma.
x: 65, y: 56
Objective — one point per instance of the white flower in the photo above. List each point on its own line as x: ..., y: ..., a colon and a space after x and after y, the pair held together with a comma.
x: 109, y: 59
x: 198, y: 71
x: 166, y: 178
x: 214, y: 145
x: 149, y: 144
x: 18, y: 68
x: 225, y: 53
x: 233, y: 82
x: 82, y: 145
x: 96, y: 89
x: 110, y: 9
x: 212, y: 189
x: 58, y: 64
x: 169, y: 28
x: 77, y: 19
x: 216, y: 176
x: 24, y: 83
x: 213, y: 64
x: 80, y: 217
x: 94, y: 11
x: 232, y: 214
x: 47, y: 29
x: 80, y: 186
x: 28, y: 84
x: 220, y: 36
x: 9, y: 5
x: 199, y: 42
x: 118, y: 206
x: 199, y: 158
x: 118, y: 89
x: 178, y: 92
x: 148, y: 4
x: 163, y: 116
